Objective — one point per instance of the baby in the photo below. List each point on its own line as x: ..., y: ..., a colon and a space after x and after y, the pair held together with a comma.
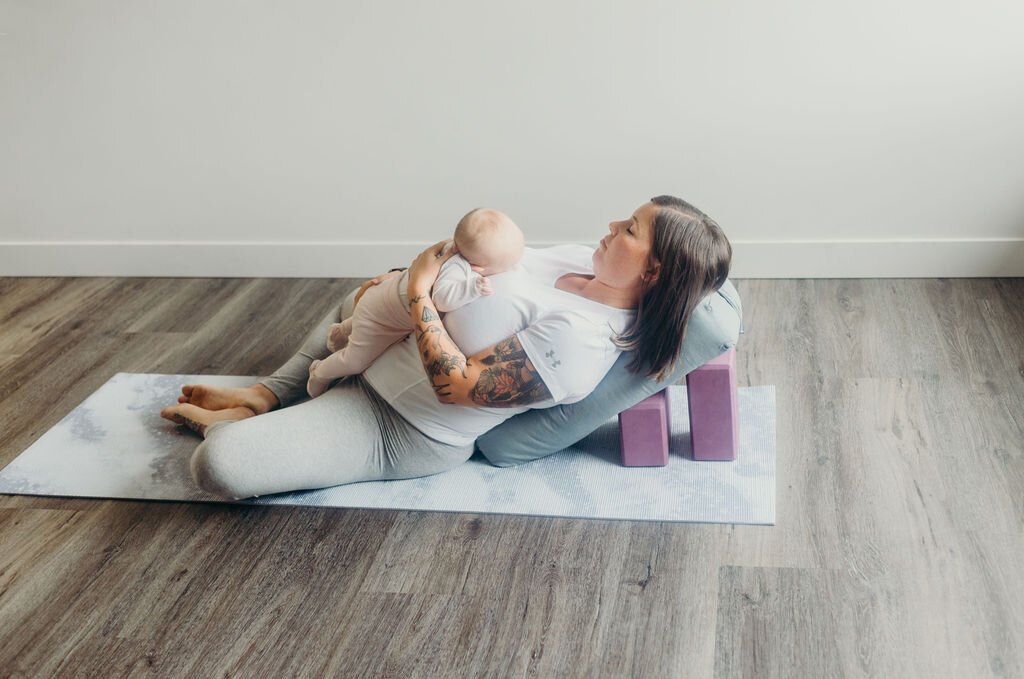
x: 487, y: 242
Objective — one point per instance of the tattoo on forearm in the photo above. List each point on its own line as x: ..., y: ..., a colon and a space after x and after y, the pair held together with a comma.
x: 440, y: 355
x: 417, y: 298
x: 506, y: 350
x: 514, y: 384
x: 447, y: 362
x: 511, y: 379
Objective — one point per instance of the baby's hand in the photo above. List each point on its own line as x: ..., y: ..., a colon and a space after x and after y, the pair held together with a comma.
x: 483, y: 286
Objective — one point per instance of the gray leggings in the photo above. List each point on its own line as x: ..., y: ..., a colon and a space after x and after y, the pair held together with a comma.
x: 346, y: 435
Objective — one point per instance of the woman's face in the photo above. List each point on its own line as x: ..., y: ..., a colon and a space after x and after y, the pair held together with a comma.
x: 622, y: 258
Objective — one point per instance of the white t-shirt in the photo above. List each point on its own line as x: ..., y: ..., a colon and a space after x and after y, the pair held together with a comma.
x: 568, y: 338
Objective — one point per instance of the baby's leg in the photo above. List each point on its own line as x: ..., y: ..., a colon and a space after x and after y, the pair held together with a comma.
x: 380, y: 320
x: 288, y: 383
x: 365, y: 345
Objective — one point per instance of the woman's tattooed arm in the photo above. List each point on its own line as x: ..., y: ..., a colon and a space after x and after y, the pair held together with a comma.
x: 508, y: 378
x: 500, y: 376
x: 441, y: 358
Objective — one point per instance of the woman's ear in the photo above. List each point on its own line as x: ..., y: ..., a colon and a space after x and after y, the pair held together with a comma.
x: 653, y: 271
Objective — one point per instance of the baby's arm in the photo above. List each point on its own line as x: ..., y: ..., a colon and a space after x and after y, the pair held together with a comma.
x: 458, y: 285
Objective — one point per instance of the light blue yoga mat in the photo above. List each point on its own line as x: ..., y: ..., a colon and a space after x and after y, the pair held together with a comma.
x: 115, y: 445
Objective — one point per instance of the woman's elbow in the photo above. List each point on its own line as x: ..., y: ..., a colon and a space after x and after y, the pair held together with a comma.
x: 456, y: 388
x: 451, y: 399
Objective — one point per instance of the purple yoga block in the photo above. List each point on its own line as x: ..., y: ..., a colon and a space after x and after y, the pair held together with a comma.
x: 644, y: 432
x: 714, y: 410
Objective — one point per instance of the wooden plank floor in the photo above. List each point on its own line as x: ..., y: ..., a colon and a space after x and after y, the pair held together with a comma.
x: 898, y: 550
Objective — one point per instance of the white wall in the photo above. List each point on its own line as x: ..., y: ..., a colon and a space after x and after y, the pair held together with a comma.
x: 308, y: 137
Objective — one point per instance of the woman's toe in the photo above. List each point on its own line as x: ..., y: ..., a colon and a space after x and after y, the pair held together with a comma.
x: 171, y: 413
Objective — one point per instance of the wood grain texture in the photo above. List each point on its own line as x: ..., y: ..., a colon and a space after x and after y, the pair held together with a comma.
x: 897, y: 551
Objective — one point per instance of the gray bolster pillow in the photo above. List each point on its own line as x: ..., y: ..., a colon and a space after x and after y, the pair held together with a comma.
x: 714, y: 329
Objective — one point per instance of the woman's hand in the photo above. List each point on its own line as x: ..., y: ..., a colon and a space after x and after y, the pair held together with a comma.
x: 425, y: 268
x: 372, y: 282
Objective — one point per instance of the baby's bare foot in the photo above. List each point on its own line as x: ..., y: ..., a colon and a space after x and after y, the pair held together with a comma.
x: 256, y: 398
x: 198, y: 419
x: 315, y: 386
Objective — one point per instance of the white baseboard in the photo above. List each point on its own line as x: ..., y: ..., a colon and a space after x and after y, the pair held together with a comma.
x: 937, y: 258
x: 751, y: 259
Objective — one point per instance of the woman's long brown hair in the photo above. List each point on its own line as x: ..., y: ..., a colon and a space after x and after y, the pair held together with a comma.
x: 694, y: 257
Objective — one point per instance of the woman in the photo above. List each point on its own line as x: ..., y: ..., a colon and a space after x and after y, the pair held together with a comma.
x: 417, y: 410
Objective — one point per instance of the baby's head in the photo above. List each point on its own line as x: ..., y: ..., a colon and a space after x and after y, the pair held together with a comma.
x: 489, y: 241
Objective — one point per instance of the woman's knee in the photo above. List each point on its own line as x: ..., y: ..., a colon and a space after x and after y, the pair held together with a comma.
x: 216, y: 471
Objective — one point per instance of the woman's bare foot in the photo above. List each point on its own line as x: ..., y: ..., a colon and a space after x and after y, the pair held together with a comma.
x: 198, y: 419
x: 256, y: 398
